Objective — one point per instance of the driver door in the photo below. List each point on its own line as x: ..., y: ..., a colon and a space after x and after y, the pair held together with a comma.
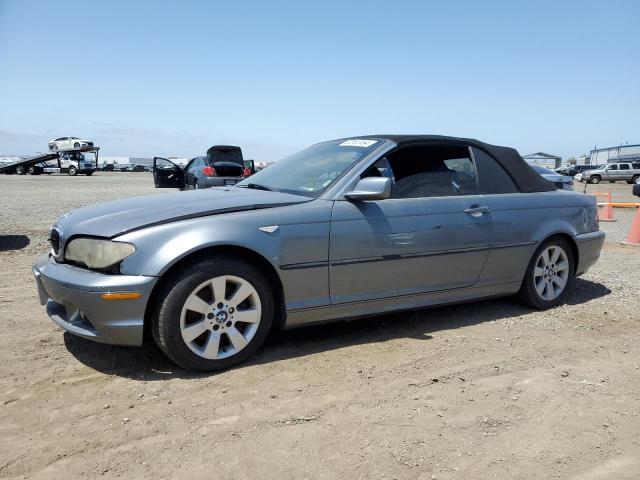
x: 427, y: 237
x: 167, y: 174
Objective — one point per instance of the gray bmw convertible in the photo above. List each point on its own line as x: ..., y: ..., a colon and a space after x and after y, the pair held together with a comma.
x: 343, y: 229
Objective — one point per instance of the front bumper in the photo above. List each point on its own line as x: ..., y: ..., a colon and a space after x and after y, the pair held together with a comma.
x: 73, y: 301
x: 589, y: 247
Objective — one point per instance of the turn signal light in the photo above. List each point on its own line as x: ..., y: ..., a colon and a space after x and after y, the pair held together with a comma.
x: 209, y: 171
x: 121, y: 296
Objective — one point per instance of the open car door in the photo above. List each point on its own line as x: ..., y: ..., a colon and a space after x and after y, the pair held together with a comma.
x: 251, y: 165
x: 167, y: 174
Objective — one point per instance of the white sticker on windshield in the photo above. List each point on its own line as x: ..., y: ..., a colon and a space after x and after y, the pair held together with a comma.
x: 357, y: 143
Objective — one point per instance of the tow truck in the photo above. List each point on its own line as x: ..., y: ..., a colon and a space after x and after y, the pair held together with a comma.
x: 70, y: 161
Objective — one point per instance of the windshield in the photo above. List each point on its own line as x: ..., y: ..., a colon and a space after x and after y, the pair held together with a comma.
x: 311, y: 171
x: 74, y: 156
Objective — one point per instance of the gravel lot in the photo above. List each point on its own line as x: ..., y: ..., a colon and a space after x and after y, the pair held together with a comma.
x: 484, y: 390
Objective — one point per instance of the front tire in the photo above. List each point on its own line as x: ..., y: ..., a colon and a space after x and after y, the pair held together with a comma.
x: 73, y: 171
x: 213, y: 314
x: 549, y: 275
x: 76, y: 145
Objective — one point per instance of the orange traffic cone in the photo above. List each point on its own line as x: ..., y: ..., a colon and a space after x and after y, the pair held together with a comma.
x: 634, y: 233
x: 606, y: 211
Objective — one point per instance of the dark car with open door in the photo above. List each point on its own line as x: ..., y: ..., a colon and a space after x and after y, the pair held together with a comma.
x: 222, y: 165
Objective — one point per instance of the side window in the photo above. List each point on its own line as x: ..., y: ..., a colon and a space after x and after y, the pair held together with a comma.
x: 636, y: 166
x: 613, y: 167
x: 624, y: 166
x: 381, y: 168
x: 492, y: 177
x: 429, y: 171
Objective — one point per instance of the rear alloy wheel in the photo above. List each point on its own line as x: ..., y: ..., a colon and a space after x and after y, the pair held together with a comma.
x: 214, y: 314
x: 549, y: 275
x: 594, y: 179
x: 76, y: 145
x: 20, y: 170
x: 33, y: 170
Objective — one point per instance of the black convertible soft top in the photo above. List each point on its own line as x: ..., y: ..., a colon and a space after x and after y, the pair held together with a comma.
x: 525, y: 177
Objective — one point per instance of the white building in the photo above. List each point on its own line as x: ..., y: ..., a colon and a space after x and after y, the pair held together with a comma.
x: 621, y: 153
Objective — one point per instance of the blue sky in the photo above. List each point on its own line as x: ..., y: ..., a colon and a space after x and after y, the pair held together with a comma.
x: 172, y: 78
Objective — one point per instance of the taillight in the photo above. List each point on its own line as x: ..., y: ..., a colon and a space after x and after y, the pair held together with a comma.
x: 209, y: 171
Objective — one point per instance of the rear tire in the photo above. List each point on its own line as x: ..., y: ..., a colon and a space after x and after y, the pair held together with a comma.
x: 33, y: 170
x: 195, y: 185
x: 635, y: 179
x: 203, y: 295
x: 20, y: 170
x: 76, y: 145
x: 595, y: 179
x: 549, y: 275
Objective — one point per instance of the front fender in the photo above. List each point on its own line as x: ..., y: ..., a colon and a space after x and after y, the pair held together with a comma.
x: 298, y: 249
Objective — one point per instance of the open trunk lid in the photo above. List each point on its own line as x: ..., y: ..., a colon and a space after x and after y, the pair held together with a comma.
x: 227, y: 160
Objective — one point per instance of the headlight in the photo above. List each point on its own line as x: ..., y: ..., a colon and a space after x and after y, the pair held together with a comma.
x: 96, y: 253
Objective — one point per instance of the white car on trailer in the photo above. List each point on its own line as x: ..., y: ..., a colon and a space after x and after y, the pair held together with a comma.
x: 67, y: 143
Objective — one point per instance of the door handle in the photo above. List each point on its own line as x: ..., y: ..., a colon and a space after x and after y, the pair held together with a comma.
x: 477, y: 210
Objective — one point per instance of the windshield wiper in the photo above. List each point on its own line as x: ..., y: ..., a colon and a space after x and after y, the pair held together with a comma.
x: 257, y: 186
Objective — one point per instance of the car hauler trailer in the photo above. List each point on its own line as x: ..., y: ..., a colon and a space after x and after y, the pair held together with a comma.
x: 71, y: 161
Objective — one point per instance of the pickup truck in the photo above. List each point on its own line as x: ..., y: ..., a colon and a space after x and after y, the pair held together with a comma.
x: 613, y: 172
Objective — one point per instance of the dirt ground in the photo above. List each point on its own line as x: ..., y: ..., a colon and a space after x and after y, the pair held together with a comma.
x: 484, y: 390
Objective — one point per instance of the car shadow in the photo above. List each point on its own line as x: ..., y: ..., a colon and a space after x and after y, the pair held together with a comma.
x: 148, y: 363
x: 13, y: 242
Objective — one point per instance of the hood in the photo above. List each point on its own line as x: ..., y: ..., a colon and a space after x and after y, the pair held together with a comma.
x: 121, y: 216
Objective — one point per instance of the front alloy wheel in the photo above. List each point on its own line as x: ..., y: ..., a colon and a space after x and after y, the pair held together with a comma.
x: 213, y: 314
x: 220, y: 317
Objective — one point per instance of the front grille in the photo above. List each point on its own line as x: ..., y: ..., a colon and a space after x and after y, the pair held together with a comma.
x: 54, y: 239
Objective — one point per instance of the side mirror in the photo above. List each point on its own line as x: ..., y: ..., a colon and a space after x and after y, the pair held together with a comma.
x: 370, y: 188
x: 636, y: 189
